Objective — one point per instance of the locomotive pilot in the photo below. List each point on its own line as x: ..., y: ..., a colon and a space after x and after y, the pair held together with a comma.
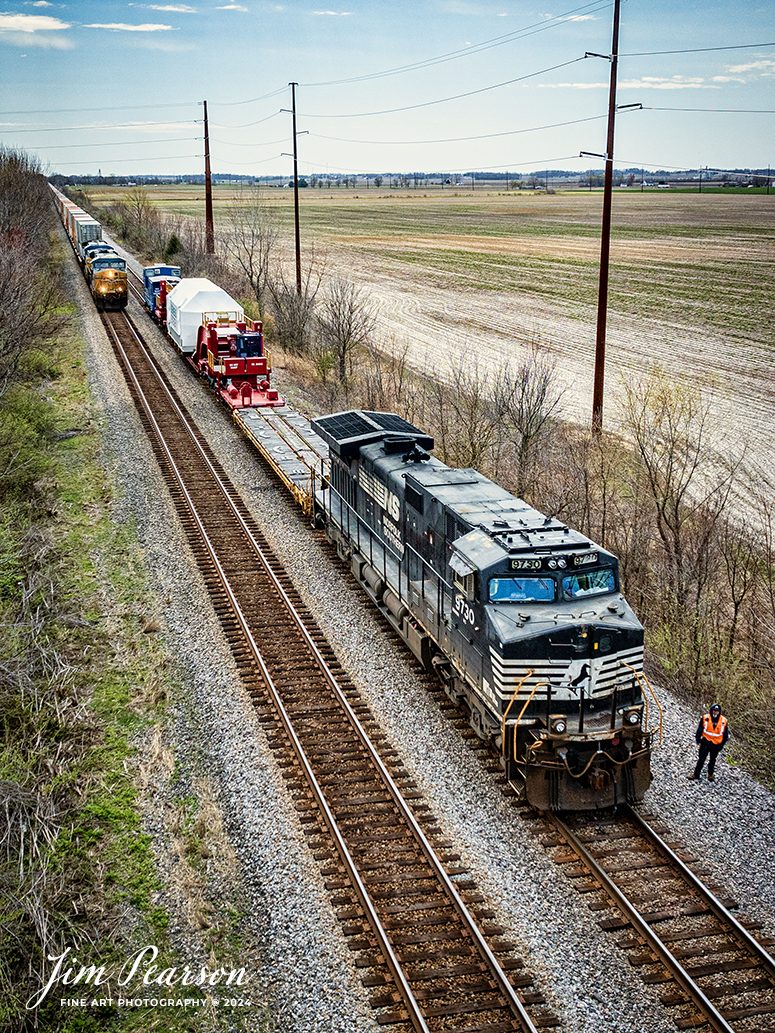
x: 712, y: 733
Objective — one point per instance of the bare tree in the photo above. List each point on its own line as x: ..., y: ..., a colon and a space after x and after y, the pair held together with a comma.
x: 688, y: 480
x: 139, y: 208
x: 385, y: 381
x: 463, y: 414
x: 346, y: 321
x: 250, y: 241
x: 528, y: 403
x: 29, y: 293
x: 293, y: 310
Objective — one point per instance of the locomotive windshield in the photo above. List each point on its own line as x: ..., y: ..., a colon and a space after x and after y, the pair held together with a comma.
x: 109, y: 263
x: 535, y: 589
x: 591, y: 582
x: 522, y: 589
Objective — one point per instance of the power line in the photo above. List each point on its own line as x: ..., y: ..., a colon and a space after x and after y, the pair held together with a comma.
x: 733, y: 111
x: 459, y: 139
x: 262, y: 143
x: 445, y: 100
x: 80, y: 129
x: 116, y: 143
x: 497, y: 41
x: 247, y: 125
x: 122, y: 107
x: 143, y: 107
x: 257, y: 161
x: 121, y: 161
x: 697, y: 50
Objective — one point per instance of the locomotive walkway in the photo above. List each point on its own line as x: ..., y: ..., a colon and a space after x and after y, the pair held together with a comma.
x: 413, y: 917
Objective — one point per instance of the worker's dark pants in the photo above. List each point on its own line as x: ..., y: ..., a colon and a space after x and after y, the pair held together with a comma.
x: 707, y: 748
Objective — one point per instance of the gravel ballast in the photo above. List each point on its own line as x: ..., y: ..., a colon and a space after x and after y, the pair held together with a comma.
x: 308, y: 969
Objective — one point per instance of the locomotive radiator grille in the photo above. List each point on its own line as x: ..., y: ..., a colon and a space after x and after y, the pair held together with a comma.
x: 597, y: 676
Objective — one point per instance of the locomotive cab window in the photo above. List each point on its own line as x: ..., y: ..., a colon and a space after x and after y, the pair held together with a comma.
x: 465, y: 584
x: 522, y: 589
x: 463, y: 576
x: 589, y: 583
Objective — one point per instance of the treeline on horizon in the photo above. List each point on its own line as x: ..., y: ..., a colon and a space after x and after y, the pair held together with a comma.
x: 730, y: 176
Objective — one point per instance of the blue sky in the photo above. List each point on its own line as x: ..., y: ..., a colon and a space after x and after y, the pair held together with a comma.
x: 485, y: 84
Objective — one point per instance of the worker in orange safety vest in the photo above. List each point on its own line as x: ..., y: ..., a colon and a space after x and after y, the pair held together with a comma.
x: 712, y: 733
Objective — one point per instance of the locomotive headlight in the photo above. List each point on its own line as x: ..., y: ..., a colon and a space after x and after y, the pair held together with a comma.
x: 632, y: 717
x: 562, y: 564
x: 559, y: 726
x: 552, y: 564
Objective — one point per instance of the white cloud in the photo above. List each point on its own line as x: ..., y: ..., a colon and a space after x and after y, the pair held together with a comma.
x: 764, y: 68
x: 171, y: 8
x: 572, y: 86
x: 335, y: 14
x: 123, y: 27
x: 37, y: 3
x: 31, y: 23
x: 767, y: 65
x: 231, y: 7
x: 33, y: 30
x: 646, y: 83
x: 677, y: 82
x: 579, y: 18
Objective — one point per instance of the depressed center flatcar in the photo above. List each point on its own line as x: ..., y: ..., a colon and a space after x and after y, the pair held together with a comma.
x: 210, y: 329
x: 521, y: 616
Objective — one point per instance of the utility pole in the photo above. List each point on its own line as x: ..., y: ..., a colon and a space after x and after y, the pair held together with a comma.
x: 295, y: 156
x: 605, y: 238
x: 293, y: 86
x: 209, y: 231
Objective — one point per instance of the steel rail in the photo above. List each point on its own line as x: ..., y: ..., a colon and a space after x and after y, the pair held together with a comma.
x: 709, y: 1011
x: 413, y: 1007
x: 481, y: 944
x: 750, y: 943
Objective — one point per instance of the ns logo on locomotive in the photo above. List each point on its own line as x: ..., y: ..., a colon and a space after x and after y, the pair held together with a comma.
x: 521, y: 616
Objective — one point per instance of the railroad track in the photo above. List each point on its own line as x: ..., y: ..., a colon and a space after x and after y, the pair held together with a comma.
x: 678, y: 930
x: 418, y: 926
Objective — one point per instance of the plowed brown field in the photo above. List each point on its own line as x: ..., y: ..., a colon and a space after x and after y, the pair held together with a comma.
x: 479, y: 275
x: 692, y: 279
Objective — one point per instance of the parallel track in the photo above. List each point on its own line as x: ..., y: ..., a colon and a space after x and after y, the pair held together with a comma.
x: 438, y: 966
x: 682, y: 932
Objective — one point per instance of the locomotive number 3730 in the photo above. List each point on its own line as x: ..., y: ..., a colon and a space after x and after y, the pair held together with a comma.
x: 463, y: 610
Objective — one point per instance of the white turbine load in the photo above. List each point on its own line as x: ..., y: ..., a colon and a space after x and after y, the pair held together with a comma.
x: 187, y: 304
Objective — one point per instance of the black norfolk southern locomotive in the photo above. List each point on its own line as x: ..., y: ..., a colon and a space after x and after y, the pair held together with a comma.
x: 520, y: 616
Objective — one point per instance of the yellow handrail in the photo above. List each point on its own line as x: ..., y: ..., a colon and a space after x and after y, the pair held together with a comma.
x: 645, y: 698
x: 511, y: 704
x: 522, y: 711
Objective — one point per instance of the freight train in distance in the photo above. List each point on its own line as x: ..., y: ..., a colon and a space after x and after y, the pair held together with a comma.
x: 103, y: 268
x: 520, y: 616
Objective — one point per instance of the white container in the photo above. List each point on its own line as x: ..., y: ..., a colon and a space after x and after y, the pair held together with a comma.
x: 187, y: 304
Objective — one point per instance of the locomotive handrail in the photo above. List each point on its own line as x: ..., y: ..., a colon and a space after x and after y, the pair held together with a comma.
x: 513, y: 698
x: 524, y: 708
x: 645, y: 699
